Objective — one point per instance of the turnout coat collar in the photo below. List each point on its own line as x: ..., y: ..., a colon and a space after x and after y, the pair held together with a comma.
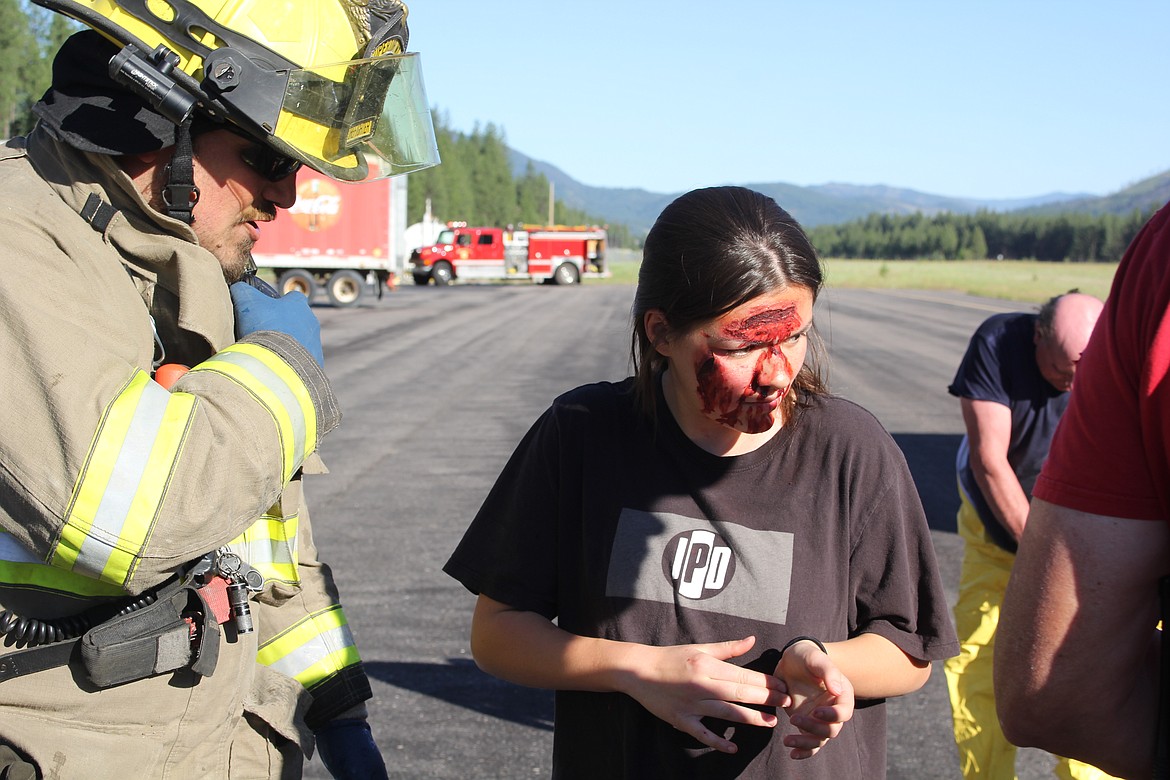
x: 160, y: 252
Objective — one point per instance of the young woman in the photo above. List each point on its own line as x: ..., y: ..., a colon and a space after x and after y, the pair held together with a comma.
x: 737, y: 563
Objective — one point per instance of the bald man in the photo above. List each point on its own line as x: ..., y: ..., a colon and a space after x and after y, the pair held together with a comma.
x: 1013, y: 386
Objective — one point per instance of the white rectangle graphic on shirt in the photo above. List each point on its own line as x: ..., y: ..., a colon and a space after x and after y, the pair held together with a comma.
x: 673, y: 559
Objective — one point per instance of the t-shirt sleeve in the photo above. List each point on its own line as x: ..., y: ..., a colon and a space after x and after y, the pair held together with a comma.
x: 1111, y: 453
x: 896, y: 589
x: 980, y: 374
x: 509, y: 552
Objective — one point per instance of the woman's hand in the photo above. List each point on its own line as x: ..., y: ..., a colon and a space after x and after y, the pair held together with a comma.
x: 682, y: 684
x: 821, y: 697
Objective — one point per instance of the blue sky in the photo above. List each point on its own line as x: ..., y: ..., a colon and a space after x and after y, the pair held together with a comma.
x: 988, y: 99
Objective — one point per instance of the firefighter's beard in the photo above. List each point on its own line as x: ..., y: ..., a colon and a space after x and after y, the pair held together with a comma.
x: 236, y: 263
x: 236, y: 258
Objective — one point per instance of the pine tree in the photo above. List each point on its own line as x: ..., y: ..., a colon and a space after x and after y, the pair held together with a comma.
x: 29, y: 38
x: 17, y: 49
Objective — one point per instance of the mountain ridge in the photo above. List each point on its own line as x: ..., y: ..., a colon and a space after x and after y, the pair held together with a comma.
x: 837, y: 202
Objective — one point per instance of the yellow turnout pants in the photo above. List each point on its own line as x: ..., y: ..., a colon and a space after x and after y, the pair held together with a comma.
x: 984, y: 752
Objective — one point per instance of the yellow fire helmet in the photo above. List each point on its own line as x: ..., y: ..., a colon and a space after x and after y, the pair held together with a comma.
x: 326, y: 82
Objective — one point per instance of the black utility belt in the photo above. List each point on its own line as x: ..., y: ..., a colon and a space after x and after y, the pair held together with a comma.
x: 163, y: 631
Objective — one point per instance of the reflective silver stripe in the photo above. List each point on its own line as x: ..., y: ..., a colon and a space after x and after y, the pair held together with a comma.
x: 279, y: 388
x: 122, y: 487
x: 313, y: 651
x: 264, y: 551
x: 19, y: 567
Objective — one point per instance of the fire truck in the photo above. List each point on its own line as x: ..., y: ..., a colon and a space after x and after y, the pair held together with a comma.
x: 342, y: 238
x: 557, y: 254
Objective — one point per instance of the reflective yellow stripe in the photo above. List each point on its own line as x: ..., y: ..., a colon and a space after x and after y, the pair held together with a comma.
x: 270, y: 546
x: 313, y: 650
x: 20, y: 568
x: 278, y: 387
x: 121, y: 486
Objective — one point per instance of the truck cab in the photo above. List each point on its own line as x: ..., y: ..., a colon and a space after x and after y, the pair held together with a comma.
x: 460, y: 252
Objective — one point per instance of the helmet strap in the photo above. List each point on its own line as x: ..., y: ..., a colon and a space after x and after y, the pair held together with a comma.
x: 180, y: 193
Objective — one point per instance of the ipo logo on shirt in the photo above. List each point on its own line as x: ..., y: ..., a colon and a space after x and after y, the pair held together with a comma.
x: 691, y: 563
x: 699, y: 563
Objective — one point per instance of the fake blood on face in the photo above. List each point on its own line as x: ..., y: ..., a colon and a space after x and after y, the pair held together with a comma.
x: 743, y: 390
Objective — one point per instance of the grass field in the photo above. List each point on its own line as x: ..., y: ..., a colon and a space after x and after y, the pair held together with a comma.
x: 1014, y: 280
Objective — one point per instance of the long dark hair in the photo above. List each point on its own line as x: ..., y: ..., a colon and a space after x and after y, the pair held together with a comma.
x: 710, y: 251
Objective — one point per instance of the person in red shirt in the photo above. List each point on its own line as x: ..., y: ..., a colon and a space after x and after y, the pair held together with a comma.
x: 1077, y: 664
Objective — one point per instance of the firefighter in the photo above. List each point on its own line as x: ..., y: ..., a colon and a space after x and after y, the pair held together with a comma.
x: 163, y: 612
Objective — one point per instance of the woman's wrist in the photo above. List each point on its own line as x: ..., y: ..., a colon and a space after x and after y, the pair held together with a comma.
x: 621, y: 666
x: 794, y: 640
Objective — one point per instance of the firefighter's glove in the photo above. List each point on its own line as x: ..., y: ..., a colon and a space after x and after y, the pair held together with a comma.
x: 290, y: 314
x: 347, y: 749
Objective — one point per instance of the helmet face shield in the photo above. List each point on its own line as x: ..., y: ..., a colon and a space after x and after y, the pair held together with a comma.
x: 358, y: 120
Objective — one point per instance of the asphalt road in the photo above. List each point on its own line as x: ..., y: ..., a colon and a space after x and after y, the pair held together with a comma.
x: 437, y: 385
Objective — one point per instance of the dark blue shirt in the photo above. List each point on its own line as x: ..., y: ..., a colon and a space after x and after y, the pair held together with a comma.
x: 1000, y: 366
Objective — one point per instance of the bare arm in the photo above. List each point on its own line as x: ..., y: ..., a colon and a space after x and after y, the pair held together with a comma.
x: 989, y: 432
x: 877, y: 668
x: 679, y: 684
x: 1077, y: 652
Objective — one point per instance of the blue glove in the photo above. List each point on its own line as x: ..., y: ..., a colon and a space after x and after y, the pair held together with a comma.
x: 346, y: 747
x: 289, y: 314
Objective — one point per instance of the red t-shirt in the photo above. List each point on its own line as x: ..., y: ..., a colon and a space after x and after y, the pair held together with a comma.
x: 1111, y: 453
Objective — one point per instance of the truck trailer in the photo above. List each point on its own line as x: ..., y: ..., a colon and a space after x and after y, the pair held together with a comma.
x: 344, y: 238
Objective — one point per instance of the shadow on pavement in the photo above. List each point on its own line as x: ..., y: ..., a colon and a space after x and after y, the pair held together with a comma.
x: 460, y: 682
x: 931, y: 457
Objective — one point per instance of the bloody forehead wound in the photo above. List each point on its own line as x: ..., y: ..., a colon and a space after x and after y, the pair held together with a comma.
x: 765, y: 325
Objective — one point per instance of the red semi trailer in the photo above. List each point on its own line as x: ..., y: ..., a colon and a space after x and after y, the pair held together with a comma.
x: 344, y: 238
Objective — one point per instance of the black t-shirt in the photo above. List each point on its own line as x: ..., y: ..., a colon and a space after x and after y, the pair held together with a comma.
x: 622, y: 530
x: 1000, y: 366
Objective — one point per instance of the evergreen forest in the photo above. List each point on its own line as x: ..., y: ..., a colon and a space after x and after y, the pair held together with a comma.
x: 1069, y: 237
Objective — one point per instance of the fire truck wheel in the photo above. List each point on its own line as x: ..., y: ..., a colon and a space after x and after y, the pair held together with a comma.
x: 298, y: 280
x: 566, y: 273
x: 345, y: 287
x: 441, y: 273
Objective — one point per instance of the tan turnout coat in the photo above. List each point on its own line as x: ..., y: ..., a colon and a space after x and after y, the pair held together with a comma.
x: 75, y: 343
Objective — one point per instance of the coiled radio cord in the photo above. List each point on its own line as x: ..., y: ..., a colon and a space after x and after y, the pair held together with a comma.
x: 31, y: 632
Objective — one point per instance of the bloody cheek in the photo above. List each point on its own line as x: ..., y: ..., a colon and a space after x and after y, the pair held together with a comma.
x: 713, y: 389
x: 725, y: 401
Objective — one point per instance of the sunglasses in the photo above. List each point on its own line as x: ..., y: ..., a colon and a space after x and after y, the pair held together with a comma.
x: 268, y: 162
